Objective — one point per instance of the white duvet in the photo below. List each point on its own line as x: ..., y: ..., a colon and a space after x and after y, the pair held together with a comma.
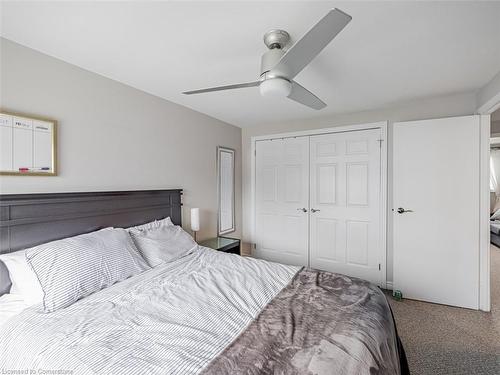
x: 10, y: 305
x: 172, y: 319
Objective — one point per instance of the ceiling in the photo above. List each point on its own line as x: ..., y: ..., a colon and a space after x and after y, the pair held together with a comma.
x: 390, y: 52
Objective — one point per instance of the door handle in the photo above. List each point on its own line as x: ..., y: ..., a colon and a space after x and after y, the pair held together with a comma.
x: 313, y: 210
x: 302, y: 209
x: 401, y: 210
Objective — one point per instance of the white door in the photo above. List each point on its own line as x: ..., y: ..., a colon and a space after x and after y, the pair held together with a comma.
x: 345, y: 219
x: 282, y: 200
x: 436, y: 175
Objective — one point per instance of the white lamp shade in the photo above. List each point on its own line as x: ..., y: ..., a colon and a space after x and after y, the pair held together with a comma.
x: 275, y: 87
x: 195, y: 219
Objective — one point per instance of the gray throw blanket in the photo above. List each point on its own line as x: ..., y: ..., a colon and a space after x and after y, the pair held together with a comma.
x: 321, y: 323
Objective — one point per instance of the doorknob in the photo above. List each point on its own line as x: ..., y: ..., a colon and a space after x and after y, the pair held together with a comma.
x: 401, y: 210
x: 313, y: 210
x: 302, y: 209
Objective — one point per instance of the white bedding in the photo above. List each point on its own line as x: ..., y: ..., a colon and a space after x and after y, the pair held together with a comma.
x: 172, y: 319
x: 10, y: 305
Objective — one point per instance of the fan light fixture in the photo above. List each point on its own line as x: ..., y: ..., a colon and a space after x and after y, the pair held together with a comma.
x: 275, y: 87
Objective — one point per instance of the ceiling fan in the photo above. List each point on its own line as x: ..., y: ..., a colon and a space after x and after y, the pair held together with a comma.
x: 279, y: 67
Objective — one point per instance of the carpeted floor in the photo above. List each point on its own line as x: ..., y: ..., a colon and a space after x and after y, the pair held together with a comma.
x: 448, y: 340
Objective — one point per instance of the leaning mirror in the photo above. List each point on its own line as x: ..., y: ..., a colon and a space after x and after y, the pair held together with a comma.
x: 225, y: 190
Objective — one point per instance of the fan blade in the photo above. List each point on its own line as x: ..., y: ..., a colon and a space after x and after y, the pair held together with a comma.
x: 303, y: 96
x: 311, y: 44
x: 220, y: 88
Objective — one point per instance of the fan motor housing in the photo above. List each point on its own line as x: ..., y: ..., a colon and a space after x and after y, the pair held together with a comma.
x: 269, y: 59
x: 275, y: 40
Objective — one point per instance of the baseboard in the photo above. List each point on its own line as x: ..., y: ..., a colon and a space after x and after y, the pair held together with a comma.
x: 388, y: 285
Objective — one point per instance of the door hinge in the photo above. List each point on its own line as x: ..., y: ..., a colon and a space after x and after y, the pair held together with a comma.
x: 379, y: 268
x: 380, y: 142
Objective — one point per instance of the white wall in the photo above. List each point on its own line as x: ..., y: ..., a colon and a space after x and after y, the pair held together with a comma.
x: 114, y: 137
x: 446, y: 106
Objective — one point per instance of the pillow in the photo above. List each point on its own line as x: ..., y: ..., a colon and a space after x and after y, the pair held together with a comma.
x: 72, y: 268
x: 155, y: 224
x: 496, y: 215
x: 23, y: 279
x: 164, y: 244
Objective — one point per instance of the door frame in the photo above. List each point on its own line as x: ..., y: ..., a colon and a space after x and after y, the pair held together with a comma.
x: 485, y: 112
x: 382, y: 125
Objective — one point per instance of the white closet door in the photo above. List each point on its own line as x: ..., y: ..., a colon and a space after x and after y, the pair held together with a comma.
x: 345, y: 219
x: 282, y: 195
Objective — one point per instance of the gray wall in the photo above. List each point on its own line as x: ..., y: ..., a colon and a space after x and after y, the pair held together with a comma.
x: 114, y: 137
x: 495, y: 121
x: 495, y: 127
x: 446, y: 106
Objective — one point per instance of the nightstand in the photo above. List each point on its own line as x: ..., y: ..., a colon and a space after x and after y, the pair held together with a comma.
x: 225, y: 244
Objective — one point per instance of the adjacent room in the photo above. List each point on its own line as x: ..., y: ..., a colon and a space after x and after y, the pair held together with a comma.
x: 250, y: 187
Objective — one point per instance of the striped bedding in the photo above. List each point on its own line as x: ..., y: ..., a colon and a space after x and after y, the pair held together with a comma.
x: 172, y: 319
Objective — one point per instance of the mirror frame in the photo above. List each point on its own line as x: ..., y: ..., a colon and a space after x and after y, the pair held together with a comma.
x: 221, y: 149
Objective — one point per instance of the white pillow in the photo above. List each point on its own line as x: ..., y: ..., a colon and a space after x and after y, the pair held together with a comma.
x: 75, y: 267
x: 23, y: 279
x: 163, y: 244
x: 155, y: 224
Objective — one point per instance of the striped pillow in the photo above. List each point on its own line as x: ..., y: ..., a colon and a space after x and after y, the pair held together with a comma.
x: 164, y: 244
x: 72, y: 268
x: 155, y: 224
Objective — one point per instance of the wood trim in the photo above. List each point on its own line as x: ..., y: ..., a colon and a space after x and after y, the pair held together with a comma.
x: 385, y: 209
x: 485, y: 111
x: 484, y: 213
x: 335, y: 129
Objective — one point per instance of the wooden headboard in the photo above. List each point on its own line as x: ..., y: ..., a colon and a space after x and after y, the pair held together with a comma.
x: 28, y: 220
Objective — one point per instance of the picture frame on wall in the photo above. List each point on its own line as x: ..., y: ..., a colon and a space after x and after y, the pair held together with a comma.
x: 28, y: 145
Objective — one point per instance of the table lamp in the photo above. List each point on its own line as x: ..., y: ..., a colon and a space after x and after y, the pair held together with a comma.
x: 195, y: 221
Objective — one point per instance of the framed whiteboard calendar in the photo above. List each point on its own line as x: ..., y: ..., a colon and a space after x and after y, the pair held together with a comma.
x: 28, y: 145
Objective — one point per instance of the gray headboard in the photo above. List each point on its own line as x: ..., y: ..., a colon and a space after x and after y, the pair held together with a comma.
x: 31, y: 219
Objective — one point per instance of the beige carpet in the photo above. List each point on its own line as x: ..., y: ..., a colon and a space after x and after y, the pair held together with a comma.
x: 448, y: 340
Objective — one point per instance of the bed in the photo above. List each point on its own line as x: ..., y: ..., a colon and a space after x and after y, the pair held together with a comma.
x: 207, y: 312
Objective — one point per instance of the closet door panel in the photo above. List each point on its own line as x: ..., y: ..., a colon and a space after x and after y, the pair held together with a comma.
x: 282, y: 190
x: 345, y: 203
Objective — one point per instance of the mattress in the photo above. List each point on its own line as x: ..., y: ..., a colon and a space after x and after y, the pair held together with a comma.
x: 182, y: 317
